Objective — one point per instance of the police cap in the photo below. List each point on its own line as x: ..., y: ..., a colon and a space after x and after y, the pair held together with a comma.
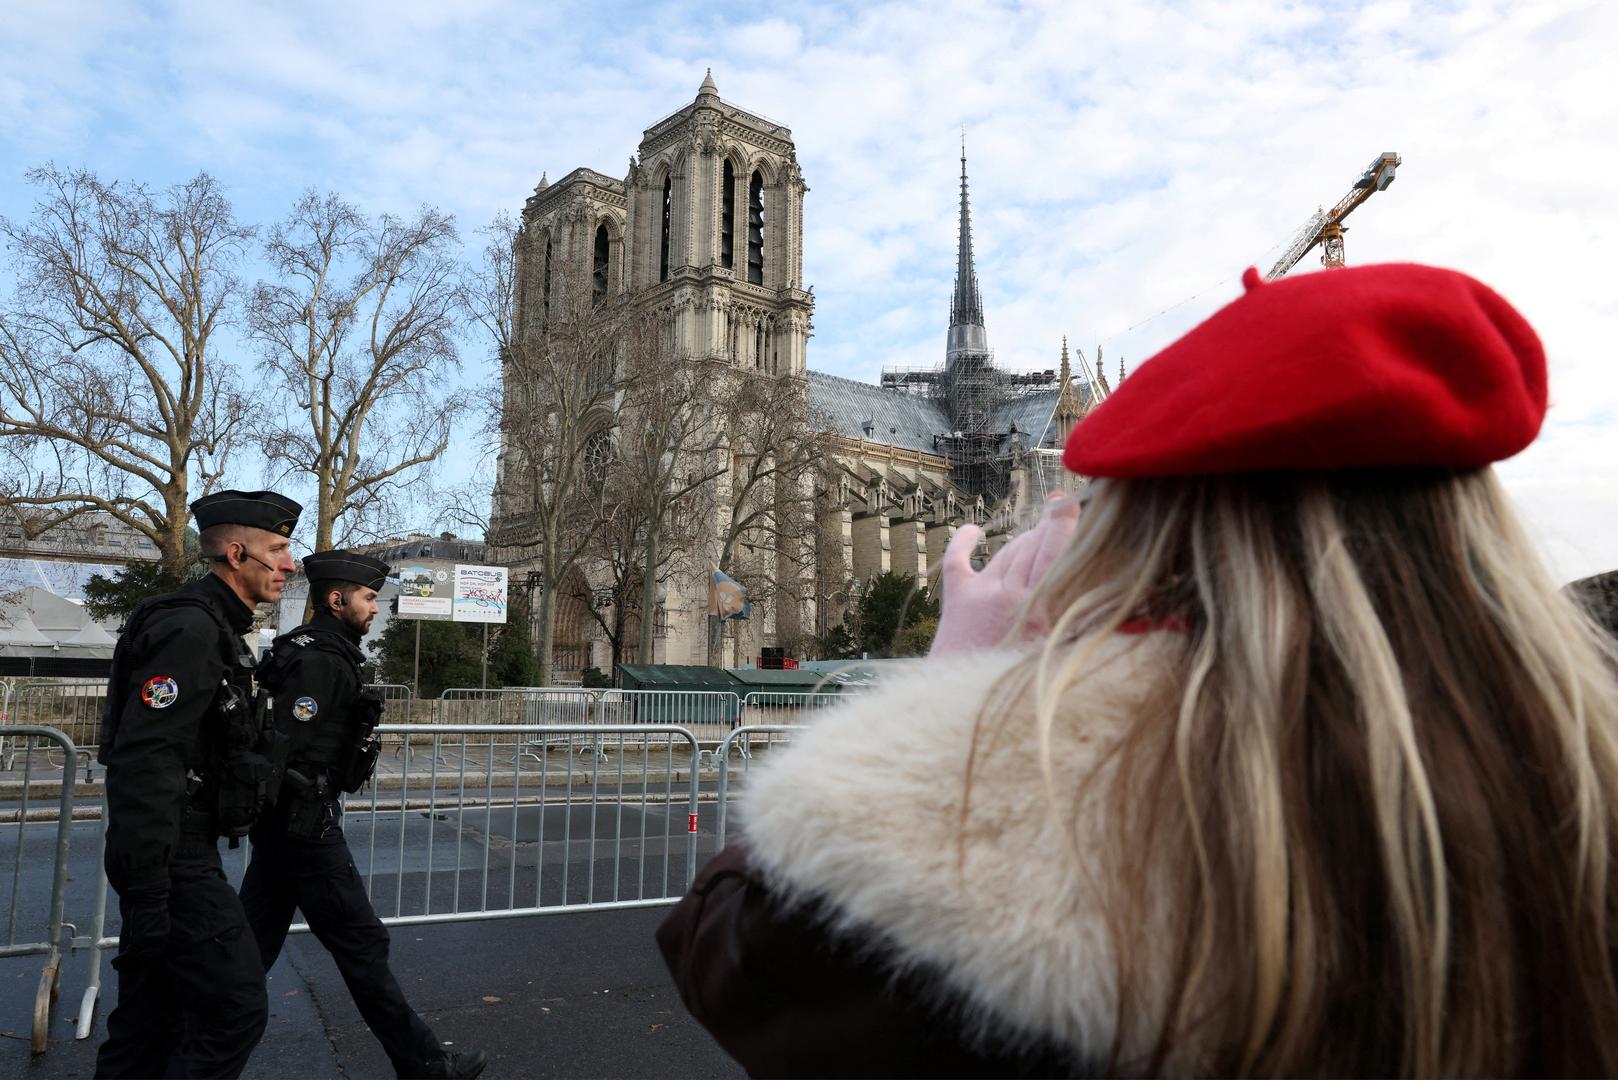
x: 349, y: 566
x: 265, y: 510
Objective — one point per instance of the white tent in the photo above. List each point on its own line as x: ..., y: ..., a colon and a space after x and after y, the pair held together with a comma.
x: 18, y: 634
x: 37, y: 622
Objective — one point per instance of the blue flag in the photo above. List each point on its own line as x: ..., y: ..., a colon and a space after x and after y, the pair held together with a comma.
x: 727, y: 598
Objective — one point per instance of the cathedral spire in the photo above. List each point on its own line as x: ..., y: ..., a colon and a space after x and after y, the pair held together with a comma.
x: 967, y: 335
x: 966, y: 308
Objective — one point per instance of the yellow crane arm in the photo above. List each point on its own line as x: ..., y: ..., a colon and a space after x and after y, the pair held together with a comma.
x: 1326, y: 227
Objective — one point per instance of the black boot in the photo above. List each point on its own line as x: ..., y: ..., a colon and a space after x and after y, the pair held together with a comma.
x: 461, y: 1063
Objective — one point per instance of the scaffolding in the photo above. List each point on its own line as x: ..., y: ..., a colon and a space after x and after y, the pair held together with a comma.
x: 971, y: 392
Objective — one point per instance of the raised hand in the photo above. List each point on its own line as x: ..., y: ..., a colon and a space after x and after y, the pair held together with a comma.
x: 981, y: 606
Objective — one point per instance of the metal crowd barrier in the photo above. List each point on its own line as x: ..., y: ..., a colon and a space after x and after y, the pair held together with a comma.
x: 73, y: 708
x: 495, y: 820
x: 488, y: 831
x: 43, y: 940
x: 396, y: 701
x: 749, y: 741
x: 708, y: 714
x: 500, y: 827
x: 514, y: 705
x: 783, y: 707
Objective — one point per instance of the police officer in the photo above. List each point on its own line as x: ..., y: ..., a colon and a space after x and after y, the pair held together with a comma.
x: 191, y: 996
x: 300, y: 859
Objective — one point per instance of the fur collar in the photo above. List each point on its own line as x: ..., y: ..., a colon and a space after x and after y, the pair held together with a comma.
x: 863, y: 815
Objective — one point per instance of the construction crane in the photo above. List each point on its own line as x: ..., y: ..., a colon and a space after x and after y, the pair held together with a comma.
x: 1326, y: 226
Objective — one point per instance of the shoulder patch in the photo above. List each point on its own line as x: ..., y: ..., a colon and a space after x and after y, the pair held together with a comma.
x: 160, y: 691
x: 305, y: 708
x: 303, y: 639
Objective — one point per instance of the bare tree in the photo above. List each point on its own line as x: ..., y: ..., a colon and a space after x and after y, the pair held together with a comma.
x: 614, y: 558
x: 766, y: 507
x: 552, y: 412
x: 360, y: 323
x: 111, y: 395
x: 673, y: 443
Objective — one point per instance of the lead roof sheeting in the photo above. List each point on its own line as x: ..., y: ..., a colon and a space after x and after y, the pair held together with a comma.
x: 897, y: 419
x: 1034, y: 415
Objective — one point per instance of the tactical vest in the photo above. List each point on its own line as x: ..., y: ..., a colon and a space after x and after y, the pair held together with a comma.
x: 341, y: 742
x: 231, y: 768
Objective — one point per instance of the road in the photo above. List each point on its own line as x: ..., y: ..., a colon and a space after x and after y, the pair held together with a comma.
x: 548, y: 995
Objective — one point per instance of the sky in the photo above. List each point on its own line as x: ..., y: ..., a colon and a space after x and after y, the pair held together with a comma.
x: 1127, y: 160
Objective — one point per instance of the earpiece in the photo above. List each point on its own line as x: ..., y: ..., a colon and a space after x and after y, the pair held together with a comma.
x: 245, y: 556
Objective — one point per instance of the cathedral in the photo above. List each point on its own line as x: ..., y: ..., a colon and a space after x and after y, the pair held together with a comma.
x: 706, y: 229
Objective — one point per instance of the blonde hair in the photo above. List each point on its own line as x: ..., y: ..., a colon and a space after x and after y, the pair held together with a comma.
x: 1382, y: 792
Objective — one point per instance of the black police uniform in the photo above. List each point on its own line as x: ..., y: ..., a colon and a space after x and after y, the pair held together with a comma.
x: 300, y: 857
x: 191, y: 998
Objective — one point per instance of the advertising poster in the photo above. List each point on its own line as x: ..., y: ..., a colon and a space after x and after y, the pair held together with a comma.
x: 425, y: 592
x: 480, y: 594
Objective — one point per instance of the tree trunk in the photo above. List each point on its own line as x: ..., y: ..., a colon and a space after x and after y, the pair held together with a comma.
x: 648, y: 597
x: 616, y: 638
x: 172, y: 544
x: 544, y: 647
x: 325, y: 511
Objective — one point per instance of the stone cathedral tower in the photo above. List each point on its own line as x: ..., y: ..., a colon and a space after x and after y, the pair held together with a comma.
x: 705, y: 230
x: 707, y: 224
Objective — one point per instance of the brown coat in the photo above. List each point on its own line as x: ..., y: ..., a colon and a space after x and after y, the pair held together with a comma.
x: 861, y: 930
x: 786, y: 997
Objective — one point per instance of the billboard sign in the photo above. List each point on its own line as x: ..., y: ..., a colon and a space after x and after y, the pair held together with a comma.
x: 425, y: 592
x: 480, y: 594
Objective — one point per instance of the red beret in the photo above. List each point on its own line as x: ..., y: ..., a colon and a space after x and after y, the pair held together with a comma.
x: 1364, y: 367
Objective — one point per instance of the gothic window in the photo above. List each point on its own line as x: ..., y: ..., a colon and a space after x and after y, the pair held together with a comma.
x: 598, y: 279
x: 668, y: 214
x: 597, y: 456
x: 727, y: 219
x: 758, y: 346
x: 545, y: 287
x: 755, y: 229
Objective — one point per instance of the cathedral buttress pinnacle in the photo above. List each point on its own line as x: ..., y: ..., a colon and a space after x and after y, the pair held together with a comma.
x: 1068, y: 407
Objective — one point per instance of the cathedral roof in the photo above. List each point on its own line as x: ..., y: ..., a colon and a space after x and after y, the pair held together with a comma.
x: 1034, y: 415
x: 858, y: 410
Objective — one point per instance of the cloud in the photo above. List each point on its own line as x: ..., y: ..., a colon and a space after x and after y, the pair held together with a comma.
x: 1127, y: 159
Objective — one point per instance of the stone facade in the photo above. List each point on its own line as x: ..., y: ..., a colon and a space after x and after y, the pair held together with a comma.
x: 706, y: 229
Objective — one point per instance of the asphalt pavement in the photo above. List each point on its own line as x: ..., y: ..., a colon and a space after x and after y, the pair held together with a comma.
x: 582, y: 995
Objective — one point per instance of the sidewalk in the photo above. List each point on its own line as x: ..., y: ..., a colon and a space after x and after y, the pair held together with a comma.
x: 551, y: 996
